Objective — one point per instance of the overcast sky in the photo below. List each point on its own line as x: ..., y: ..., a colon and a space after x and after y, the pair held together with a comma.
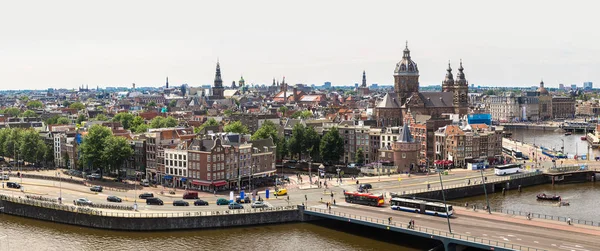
x: 115, y: 43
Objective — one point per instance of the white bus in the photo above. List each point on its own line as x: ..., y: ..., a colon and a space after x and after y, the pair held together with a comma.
x: 420, y: 206
x: 507, y: 169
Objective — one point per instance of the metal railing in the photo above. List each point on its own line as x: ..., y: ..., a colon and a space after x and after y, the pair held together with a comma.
x: 90, y: 211
x: 477, y: 182
x: 548, y: 217
x: 565, y: 169
x: 424, y: 230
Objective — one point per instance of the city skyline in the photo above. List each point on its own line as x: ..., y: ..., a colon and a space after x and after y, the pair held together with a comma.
x: 67, y: 44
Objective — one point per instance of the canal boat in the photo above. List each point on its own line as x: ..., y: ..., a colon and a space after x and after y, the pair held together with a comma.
x: 543, y: 196
x: 553, y: 154
x: 593, y: 140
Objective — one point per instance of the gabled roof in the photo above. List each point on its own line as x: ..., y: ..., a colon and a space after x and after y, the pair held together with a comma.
x: 405, y: 135
x: 388, y: 102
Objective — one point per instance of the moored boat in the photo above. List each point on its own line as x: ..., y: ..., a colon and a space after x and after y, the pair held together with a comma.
x: 543, y: 196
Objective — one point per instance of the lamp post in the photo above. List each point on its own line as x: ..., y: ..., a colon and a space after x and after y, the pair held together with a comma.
x: 563, y: 146
x: 309, y: 171
x: 60, y: 189
x: 439, y: 171
x: 485, y: 191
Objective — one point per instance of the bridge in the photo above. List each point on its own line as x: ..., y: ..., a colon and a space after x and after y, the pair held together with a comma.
x: 469, y: 229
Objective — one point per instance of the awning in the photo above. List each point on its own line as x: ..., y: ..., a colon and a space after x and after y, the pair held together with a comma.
x: 200, y: 183
x: 183, y: 179
x: 167, y: 177
x: 264, y: 173
x: 220, y: 183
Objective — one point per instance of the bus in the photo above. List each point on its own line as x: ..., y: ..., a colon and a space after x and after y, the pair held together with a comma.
x: 507, y: 150
x: 517, y: 154
x: 507, y: 169
x: 364, y: 199
x: 421, y: 206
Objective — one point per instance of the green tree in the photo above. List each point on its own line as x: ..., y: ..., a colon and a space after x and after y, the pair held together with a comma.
x: 152, y: 104
x: 52, y: 120
x: 141, y: 128
x: 81, y: 118
x: 13, y: 141
x: 311, y: 142
x: 24, y: 98
x: 296, y: 142
x: 77, y: 105
x: 124, y: 118
x: 266, y: 130
x: 99, y: 108
x: 4, y: 132
x: 28, y: 145
x: 66, y: 160
x: 209, y: 122
x: 490, y: 92
x: 101, y: 117
x: 137, y: 121
x: 92, y: 147
x: 302, y: 114
x: 116, y: 150
x: 283, y: 110
x: 236, y: 127
x: 63, y: 121
x: 12, y: 111
x: 359, y: 157
x: 332, y: 146
x: 173, y: 103
x: 157, y: 122
x: 34, y: 104
x: 228, y: 113
x: 29, y: 114
x: 282, y: 148
x: 66, y: 103
x: 171, y: 122
x: 49, y: 154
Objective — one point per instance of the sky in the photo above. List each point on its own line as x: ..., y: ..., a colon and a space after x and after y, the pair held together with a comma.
x: 65, y: 44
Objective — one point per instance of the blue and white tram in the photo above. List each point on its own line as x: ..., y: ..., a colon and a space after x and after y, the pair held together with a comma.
x: 420, y: 206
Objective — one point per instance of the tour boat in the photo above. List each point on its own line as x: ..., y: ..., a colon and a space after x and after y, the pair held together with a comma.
x: 543, y: 196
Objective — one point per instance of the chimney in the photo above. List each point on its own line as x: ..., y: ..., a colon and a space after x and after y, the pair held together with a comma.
x: 295, y: 94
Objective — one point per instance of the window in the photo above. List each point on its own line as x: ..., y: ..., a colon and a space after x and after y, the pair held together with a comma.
x: 404, y: 155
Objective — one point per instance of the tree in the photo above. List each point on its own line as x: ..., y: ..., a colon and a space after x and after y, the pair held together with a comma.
x: 236, y: 127
x: 81, y: 118
x: 66, y: 103
x: 266, y: 130
x: 490, y: 92
x: 283, y: 110
x: 12, y: 111
x: 125, y: 118
x: 282, y: 148
x: 101, y: 117
x: 157, y: 122
x: 302, y: 114
x: 296, y: 142
x: 66, y: 159
x: 171, y: 122
x: 28, y: 145
x: 77, y: 105
x: 332, y: 146
x: 29, y: 114
x: 152, y: 104
x: 4, y: 132
x: 359, y: 157
x: 34, y: 104
x: 92, y: 147
x: 228, y: 113
x: 13, y: 141
x: 209, y: 122
x: 99, y: 108
x: 49, y: 154
x: 63, y: 121
x: 115, y: 151
x: 141, y: 128
x: 311, y: 142
x: 173, y: 103
x: 52, y: 120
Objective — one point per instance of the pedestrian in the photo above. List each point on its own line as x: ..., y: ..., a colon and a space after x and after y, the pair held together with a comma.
x: 469, y: 182
x: 334, y: 202
x: 288, y: 198
x: 569, y: 221
x: 390, y: 221
x: 467, y: 205
x: 410, y: 224
x: 215, y: 193
x: 305, y: 197
x: 331, y: 194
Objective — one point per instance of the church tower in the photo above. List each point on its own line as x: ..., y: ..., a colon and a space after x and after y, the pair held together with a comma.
x: 448, y: 83
x: 406, y: 76
x: 363, y: 90
x: 218, y: 84
x: 461, y: 90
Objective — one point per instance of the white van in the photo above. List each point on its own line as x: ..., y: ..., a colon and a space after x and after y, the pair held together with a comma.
x: 145, y: 183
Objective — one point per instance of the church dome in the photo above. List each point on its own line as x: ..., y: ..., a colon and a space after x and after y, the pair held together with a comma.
x: 542, y: 90
x: 406, y: 65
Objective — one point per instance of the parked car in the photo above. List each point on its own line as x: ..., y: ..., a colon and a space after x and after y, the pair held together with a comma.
x: 145, y: 183
x: 83, y: 202
x: 259, y: 204
x: 113, y: 198
x: 235, y: 206
x: 13, y: 185
x: 190, y: 195
x: 96, y: 189
x: 181, y: 203
x: 280, y: 192
x: 366, y: 186
x: 222, y: 201
x: 200, y: 203
x: 94, y: 176
x: 5, y: 177
x: 146, y: 195
x: 238, y: 199
x: 154, y: 201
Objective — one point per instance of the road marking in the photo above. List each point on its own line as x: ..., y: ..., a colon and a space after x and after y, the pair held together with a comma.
x: 468, y: 232
x: 536, y: 242
x: 483, y: 234
x: 554, y: 245
x: 572, y: 248
x: 518, y: 239
x: 510, y: 235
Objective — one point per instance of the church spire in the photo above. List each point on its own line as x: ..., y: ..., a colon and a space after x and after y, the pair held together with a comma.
x: 406, y: 51
x: 167, y: 85
x: 218, y: 80
x: 364, y: 79
x: 273, y: 81
x: 449, y: 80
x: 460, y: 76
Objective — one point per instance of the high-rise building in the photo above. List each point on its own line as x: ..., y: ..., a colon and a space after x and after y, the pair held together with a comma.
x: 573, y: 87
x: 587, y: 86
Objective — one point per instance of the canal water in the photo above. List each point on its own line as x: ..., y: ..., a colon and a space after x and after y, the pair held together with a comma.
x: 552, y: 140
x: 18, y: 233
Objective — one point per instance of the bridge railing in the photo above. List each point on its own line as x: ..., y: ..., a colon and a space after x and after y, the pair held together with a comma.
x: 476, y: 182
x: 426, y: 230
x: 547, y: 217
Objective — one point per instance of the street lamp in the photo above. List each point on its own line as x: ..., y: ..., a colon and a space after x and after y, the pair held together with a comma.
x: 485, y: 190
x: 439, y: 171
x: 563, y: 146
x: 309, y: 171
x: 60, y: 189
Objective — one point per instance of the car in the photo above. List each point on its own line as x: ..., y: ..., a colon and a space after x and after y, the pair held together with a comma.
x: 13, y: 185
x: 292, y: 161
x: 83, y: 202
x: 1, y: 158
x: 280, y: 192
x: 366, y: 186
x: 154, y: 201
x: 94, y: 176
x: 113, y: 198
x: 238, y: 199
x: 145, y: 183
x: 96, y: 189
x: 222, y: 201
x: 146, y: 195
x: 200, y: 203
x: 5, y: 177
x: 259, y: 204
x: 190, y: 195
x: 235, y: 206
x: 181, y: 203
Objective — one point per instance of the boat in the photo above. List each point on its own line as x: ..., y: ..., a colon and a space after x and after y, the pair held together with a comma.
x: 564, y: 204
x: 583, y: 138
x: 553, y: 154
x: 568, y: 133
x: 543, y: 196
